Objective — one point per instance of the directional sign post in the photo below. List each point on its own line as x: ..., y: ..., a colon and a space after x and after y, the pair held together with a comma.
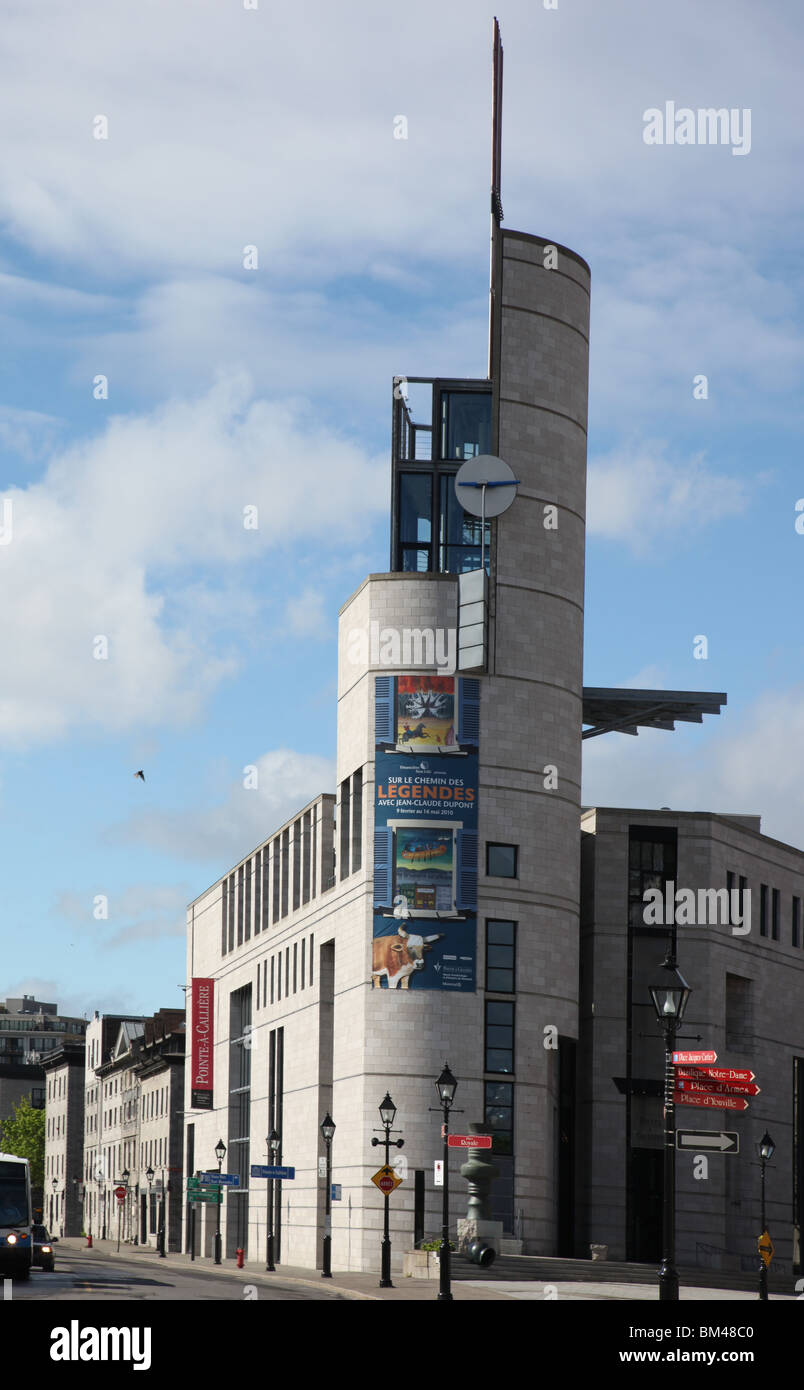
x: 710, y: 1102
x: 708, y: 1141
x: 729, y: 1074
x: 717, y: 1088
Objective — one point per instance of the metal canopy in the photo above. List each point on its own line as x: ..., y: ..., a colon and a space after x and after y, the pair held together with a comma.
x: 628, y: 711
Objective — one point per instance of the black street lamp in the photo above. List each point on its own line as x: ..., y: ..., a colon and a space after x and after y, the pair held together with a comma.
x: 272, y: 1144
x: 160, y: 1238
x: 387, y: 1114
x: 220, y: 1150
x: 125, y: 1175
x: 327, y: 1131
x: 446, y: 1086
x: 669, y: 997
x: 767, y: 1149
x: 55, y: 1185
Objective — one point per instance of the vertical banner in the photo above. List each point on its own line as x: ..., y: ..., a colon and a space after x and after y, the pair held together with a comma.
x: 203, y: 1027
x: 425, y: 832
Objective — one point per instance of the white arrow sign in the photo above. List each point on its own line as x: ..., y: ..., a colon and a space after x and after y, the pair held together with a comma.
x: 725, y: 1141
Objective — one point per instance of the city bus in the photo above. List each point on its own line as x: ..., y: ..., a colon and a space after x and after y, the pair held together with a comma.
x: 16, y: 1217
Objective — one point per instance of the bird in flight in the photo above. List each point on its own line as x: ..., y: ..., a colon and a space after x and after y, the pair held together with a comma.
x: 140, y: 774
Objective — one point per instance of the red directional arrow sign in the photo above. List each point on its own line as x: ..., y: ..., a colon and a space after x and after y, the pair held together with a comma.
x: 716, y: 1073
x: 710, y: 1101
x: 718, y: 1088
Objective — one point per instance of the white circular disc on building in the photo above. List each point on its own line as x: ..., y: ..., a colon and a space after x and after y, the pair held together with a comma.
x: 489, y: 469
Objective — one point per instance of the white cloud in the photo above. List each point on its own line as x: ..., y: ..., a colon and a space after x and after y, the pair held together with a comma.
x: 637, y: 495
x: 225, y: 832
x: 114, y: 540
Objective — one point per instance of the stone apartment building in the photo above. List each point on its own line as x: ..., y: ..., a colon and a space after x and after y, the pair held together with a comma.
x: 746, y: 971
x: 62, y: 1210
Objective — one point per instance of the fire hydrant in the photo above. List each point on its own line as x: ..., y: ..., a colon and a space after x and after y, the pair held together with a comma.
x: 89, y: 1241
x: 239, y: 1254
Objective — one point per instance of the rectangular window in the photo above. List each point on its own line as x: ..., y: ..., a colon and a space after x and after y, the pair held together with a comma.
x: 285, y: 870
x: 498, y: 1119
x: 500, y: 956
x: 258, y: 984
x: 240, y: 906
x: 276, y: 856
x: 763, y: 909
x: 357, y: 820
x: 775, y: 914
x: 279, y: 977
x: 311, y: 960
x: 296, y: 865
x: 344, y: 822
x: 501, y: 860
x: 287, y: 971
x: 739, y: 1013
x: 313, y: 854
x: 795, y: 922
x: 231, y: 900
x: 303, y: 944
x: 266, y: 886
x: 499, y: 1036
x: 272, y: 979
x: 729, y: 889
x: 306, y: 857
x: 257, y: 891
x: 247, y: 910
x: 295, y: 966
x: 743, y: 890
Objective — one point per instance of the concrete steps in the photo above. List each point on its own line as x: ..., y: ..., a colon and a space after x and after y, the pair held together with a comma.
x: 552, y: 1270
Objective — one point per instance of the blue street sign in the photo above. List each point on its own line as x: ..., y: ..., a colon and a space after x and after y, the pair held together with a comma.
x: 337, y: 1192
x: 263, y: 1170
x: 220, y: 1179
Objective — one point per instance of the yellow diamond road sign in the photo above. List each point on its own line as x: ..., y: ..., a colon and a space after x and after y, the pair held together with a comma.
x: 386, y: 1180
x: 765, y: 1248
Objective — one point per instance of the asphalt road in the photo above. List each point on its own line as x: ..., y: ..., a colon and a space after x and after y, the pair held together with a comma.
x: 91, y: 1279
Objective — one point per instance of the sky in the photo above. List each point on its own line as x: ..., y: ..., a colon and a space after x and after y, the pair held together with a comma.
x: 158, y: 380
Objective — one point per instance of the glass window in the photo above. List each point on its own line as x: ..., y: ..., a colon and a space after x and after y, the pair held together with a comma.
x: 796, y: 922
x: 498, y: 1118
x: 500, y: 949
x: 775, y: 914
x: 459, y: 533
x: 465, y: 424
x: 499, y: 1036
x: 415, y: 507
x: 501, y: 860
x: 763, y: 909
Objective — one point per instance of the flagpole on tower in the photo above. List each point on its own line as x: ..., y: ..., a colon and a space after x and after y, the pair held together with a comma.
x: 496, y: 175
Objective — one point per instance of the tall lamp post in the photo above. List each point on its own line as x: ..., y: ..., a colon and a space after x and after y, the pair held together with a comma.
x: 220, y: 1150
x: 328, y: 1131
x: 149, y: 1177
x: 446, y: 1086
x: 160, y: 1239
x: 272, y: 1144
x: 125, y: 1175
x: 669, y: 997
x: 387, y: 1114
x: 767, y: 1148
x: 55, y: 1185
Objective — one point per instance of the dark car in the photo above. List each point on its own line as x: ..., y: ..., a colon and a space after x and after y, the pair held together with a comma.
x: 42, y: 1247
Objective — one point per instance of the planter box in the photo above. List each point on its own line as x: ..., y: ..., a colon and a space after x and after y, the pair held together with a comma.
x: 420, y: 1264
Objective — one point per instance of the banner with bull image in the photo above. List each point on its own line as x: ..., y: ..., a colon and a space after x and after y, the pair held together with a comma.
x: 425, y: 832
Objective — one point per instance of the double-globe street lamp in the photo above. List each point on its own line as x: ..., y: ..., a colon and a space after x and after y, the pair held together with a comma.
x: 767, y: 1149
x: 272, y: 1144
x: 387, y: 1114
x: 220, y: 1150
x: 670, y: 996
x: 327, y: 1133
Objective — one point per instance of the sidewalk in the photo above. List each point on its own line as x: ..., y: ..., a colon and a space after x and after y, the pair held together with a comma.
x: 365, y: 1287
x: 349, y: 1285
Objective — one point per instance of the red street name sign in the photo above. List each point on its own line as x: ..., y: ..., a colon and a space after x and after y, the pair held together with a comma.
x: 685, y: 1058
x: 710, y: 1101
x: 718, y: 1088
x: 469, y: 1141
x: 716, y: 1074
